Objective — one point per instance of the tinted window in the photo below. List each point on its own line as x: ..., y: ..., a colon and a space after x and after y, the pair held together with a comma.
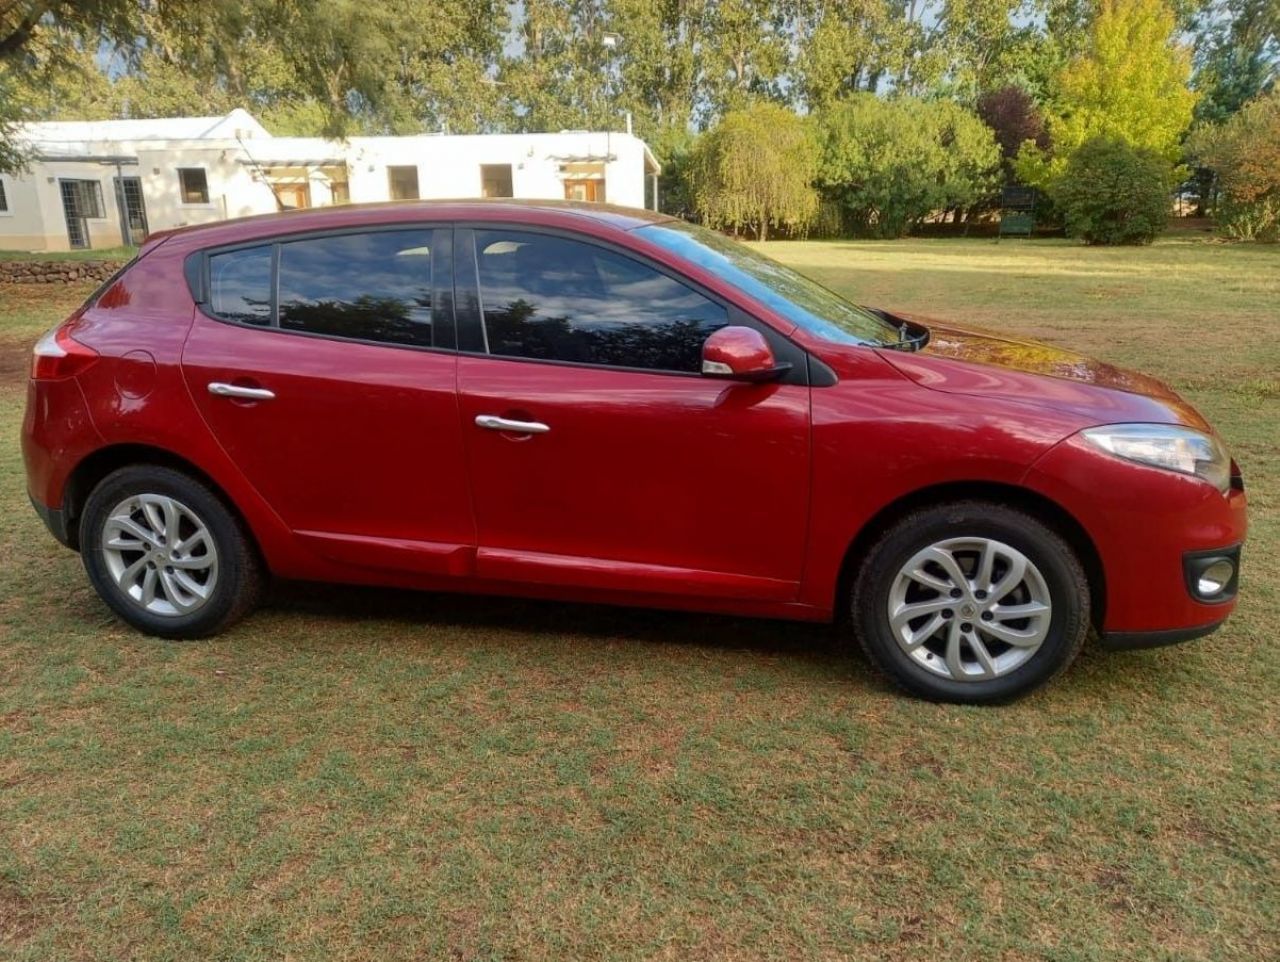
x: 374, y: 286
x: 564, y: 300
x: 240, y: 285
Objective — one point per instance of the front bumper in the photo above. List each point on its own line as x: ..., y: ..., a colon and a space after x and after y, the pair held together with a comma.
x: 1155, y: 532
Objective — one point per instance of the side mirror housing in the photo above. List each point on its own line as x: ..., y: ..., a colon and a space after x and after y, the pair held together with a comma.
x: 740, y: 354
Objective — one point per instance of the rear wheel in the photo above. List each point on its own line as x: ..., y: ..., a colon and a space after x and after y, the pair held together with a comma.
x: 166, y: 554
x: 971, y: 602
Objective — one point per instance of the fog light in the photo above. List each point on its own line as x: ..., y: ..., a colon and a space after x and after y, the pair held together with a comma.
x: 1212, y: 576
x: 1215, y: 578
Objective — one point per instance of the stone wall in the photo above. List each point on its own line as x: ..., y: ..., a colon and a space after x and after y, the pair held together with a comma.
x: 56, y: 272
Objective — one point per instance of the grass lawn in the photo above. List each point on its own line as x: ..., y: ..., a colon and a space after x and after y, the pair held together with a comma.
x: 96, y: 254
x: 371, y: 775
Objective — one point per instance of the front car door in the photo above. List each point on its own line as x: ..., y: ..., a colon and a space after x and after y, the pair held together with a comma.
x: 631, y: 471
x: 325, y: 367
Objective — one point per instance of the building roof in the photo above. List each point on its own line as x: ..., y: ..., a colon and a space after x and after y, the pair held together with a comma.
x: 48, y: 135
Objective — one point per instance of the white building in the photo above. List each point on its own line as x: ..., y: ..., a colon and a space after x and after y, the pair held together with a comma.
x: 105, y: 183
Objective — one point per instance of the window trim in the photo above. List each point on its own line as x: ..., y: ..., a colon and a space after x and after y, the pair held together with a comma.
x: 6, y: 206
x: 196, y: 270
x: 205, y: 204
x: 467, y: 318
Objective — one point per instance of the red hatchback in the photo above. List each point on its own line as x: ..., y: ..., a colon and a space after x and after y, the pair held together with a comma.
x: 597, y: 404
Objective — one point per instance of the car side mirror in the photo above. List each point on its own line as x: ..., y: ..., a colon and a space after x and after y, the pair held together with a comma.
x: 740, y: 354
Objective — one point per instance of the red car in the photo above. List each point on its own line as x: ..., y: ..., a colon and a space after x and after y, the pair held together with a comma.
x: 598, y: 404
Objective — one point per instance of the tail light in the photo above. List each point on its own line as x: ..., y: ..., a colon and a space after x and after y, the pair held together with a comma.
x: 59, y: 355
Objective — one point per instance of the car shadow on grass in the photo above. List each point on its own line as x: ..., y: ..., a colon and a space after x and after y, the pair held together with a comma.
x: 816, y: 645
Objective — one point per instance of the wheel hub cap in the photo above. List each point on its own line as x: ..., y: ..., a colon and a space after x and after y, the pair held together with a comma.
x: 969, y: 609
x: 160, y: 554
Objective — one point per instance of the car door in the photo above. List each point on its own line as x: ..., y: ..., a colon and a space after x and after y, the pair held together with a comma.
x: 325, y: 366
x: 626, y: 469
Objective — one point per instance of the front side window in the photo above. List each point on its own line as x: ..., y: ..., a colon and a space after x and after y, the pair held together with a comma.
x: 372, y: 286
x: 194, y: 185
x: 240, y: 285
x: 403, y: 183
x: 553, y: 298
x: 800, y: 300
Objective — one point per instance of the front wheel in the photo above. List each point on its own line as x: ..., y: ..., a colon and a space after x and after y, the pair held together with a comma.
x: 971, y: 602
x: 166, y: 554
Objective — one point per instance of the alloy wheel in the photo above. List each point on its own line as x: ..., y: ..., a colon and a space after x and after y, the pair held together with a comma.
x: 969, y: 609
x: 160, y: 554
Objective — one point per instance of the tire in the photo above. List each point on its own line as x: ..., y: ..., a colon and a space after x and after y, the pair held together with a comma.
x: 202, y: 578
x: 944, y: 664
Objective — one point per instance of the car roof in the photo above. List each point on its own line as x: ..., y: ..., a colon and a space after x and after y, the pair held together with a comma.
x: 545, y: 212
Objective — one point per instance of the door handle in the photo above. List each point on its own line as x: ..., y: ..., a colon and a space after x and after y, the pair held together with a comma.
x: 221, y: 389
x: 492, y: 422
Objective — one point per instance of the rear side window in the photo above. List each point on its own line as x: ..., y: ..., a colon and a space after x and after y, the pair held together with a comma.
x: 374, y: 286
x: 366, y: 286
x: 240, y: 285
x: 553, y: 298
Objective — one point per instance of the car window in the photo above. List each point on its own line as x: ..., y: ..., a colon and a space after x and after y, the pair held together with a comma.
x: 240, y: 285
x: 373, y: 286
x: 800, y: 299
x: 553, y: 298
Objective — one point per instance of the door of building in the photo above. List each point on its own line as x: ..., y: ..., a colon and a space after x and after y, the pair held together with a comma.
x: 133, y: 211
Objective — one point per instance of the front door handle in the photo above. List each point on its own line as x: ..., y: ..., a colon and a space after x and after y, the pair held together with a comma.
x: 492, y: 422
x: 222, y: 389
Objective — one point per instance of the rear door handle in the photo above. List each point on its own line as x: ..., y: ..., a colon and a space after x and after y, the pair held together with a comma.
x: 222, y: 389
x: 491, y: 422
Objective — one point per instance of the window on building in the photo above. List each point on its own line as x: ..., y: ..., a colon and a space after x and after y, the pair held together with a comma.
x: 558, y: 299
x: 292, y: 196
x: 584, y: 189
x: 194, y: 185
x: 373, y: 286
x: 4, y: 199
x: 82, y: 198
x: 403, y: 182
x: 340, y: 191
x: 240, y: 285
x: 495, y: 180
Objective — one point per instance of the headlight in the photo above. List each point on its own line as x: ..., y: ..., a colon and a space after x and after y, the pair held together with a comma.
x: 1167, y: 446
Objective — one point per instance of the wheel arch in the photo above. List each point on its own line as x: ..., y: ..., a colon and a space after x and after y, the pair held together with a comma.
x: 1010, y: 495
x: 94, y: 467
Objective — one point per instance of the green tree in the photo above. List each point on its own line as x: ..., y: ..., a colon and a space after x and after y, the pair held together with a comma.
x: 1237, y: 46
x: 755, y: 169
x: 1130, y: 83
x: 1112, y: 192
x: 891, y: 163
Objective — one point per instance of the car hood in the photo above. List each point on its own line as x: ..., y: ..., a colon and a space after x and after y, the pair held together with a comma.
x: 961, y: 360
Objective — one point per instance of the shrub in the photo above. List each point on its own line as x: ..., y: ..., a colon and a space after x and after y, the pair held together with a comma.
x: 1244, y: 153
x: 1113, y: 193
x: 891, y: 163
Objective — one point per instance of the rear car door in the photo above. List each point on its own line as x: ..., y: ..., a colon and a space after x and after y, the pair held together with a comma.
x: 642, y: 476
x: 325, y: 366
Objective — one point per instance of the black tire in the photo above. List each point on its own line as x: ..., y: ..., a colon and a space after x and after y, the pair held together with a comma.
x: 240, y: 578
x: 1061, y: 571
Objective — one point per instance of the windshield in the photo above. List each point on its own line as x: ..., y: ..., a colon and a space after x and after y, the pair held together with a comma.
x: 801, y: 300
